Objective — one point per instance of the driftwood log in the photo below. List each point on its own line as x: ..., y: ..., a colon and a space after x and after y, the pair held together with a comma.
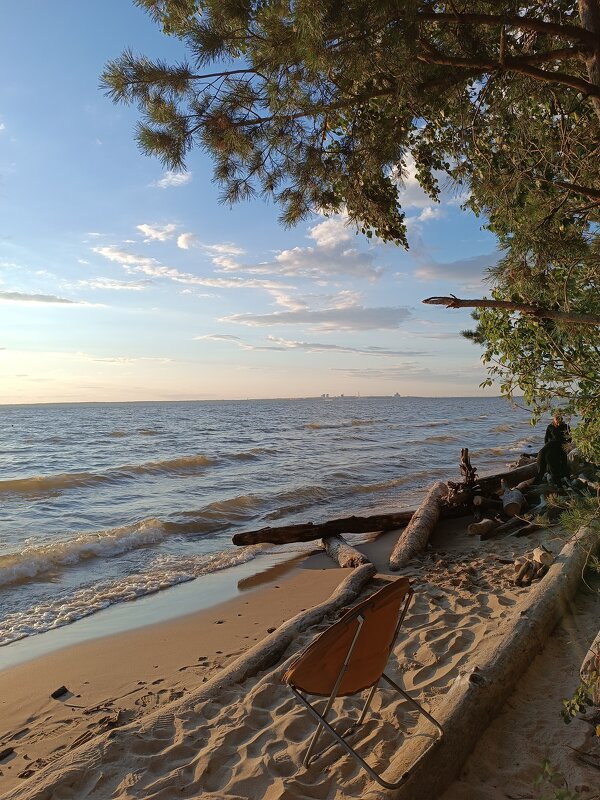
x: 512, y: 500
x: 345, y: 555
x: 414, y: 538
x: 492, y: 483
x: 310, y: 531
x: 483, y: 527
x: 480, y: 692
x: 590, y: 670
x: 468, y: 472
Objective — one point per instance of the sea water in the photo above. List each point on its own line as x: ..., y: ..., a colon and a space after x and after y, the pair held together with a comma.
x: 107, y: 503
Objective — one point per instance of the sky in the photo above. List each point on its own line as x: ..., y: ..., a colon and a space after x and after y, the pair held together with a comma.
x: 121, y: 281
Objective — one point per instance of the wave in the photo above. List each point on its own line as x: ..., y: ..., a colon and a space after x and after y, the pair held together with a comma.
x: 418, y: 478
x: 43, y: 559
x: 216, y: 516
x: 482, y: 452
x: 42, y: 484
x: 295, y: 500
x: 528, y: 443
x: 351, y: 423
x: 175, y: 465
x: 249, y: 455
x: 441, y: 438
x: 435, y: 423
x: 164, y: 572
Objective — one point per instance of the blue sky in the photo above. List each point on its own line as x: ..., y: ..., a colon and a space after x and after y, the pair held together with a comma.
x: 121, y: 281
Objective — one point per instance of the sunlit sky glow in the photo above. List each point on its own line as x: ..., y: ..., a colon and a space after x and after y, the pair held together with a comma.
x: 122, y: 281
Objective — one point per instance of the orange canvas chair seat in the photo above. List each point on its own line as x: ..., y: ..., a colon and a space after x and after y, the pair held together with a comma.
x: 351, y: 656
x: 316, y: 669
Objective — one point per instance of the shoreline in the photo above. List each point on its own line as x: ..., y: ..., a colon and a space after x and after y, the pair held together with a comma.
x: 137, y: 670
x: 249, y: 740
x: 162, y: 607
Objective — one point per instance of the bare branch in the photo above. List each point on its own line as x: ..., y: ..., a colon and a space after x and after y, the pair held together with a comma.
x: 524, y: 308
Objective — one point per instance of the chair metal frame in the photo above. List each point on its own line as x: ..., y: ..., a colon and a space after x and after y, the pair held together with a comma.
x: 322, y: 723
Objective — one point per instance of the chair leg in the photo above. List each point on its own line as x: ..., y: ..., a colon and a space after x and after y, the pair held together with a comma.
x: 411, y: 700
x: 323, y: 724
x: 363, y: 713
x: 350, y: 750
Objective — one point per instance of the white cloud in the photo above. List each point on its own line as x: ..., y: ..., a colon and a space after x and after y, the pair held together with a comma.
x: 82, y: 261
x: 125, y: 258
x: 114, y: 285
x: 2, y: 126
x: 158, y: 233
x: 323, y: 262
x: 22, y: 297
x: 147, y: 265
x: 332, y: 231
x: 410, y: 194
x: 311, y: 347
x: 397, y: 372
x: 286, y: 300
x: 171, y: 178
x: 346, y: 299
x: 430, y: 212
x: 218, y: 337
x: 227, y: 264
x: 187, y: 240
x: 224, y: 248
x: 355, y: 318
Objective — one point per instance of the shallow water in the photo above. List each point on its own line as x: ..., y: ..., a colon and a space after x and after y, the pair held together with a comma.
x: 105, y: 503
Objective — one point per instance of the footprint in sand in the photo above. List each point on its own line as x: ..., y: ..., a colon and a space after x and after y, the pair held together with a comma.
x: 281, y: 765
x: 146, y: 700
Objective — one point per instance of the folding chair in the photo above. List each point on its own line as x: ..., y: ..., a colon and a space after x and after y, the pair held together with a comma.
x: 350, y: 657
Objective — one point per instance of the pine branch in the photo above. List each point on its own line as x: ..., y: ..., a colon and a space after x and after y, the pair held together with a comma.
x: 568, y: 32
x: 523, y: 308
x: 510, y: 64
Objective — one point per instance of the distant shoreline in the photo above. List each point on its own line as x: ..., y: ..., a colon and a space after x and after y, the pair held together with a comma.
x: 251, y: 400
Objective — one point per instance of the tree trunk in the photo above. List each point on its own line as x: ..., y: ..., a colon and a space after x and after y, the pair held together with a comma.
x: 413, y: 539
x: 590, y: 670
x: 589, y: 12
x: 345, y: 555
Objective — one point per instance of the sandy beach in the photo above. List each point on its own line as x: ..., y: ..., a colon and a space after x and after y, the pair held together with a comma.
x: 134, y: 724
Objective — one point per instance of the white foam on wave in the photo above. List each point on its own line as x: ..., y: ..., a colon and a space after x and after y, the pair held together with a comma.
x: 164, y: 572
x: 44, y: 558
x: 349, y: 423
